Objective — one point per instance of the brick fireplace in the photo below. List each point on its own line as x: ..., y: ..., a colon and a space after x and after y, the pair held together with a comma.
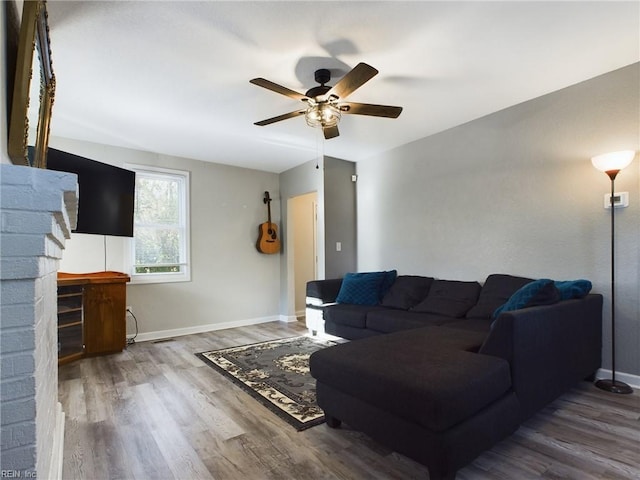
x: 37, y: 210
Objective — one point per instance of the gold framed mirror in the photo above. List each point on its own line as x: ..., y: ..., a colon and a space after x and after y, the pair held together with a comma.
x: 34, y: 89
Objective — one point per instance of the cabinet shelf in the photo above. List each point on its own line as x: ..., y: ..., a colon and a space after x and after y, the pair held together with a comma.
x: 67, y: 325
x: 68, y: 291
x: 64, y: 309
x: 69, y: 295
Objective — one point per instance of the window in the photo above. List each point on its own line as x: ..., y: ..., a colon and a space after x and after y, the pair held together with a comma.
x: 160, y: 250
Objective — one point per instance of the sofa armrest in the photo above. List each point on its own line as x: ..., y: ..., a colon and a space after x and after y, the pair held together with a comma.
x: 550, y: 348
x: 324, y: 290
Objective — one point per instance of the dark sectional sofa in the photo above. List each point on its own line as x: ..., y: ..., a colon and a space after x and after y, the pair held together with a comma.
x: 432, y: 373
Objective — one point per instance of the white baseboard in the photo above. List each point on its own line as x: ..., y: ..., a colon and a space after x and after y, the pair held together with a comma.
x: 629, y: 379
x: 288, y: 318
x: 57, y: 448
x: 178, y: 332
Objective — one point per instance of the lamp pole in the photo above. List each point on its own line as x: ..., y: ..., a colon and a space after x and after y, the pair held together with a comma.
x: 612, y: 385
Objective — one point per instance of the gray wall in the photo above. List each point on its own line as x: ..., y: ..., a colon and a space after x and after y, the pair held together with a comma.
x: 336, y: 221
x: 305, y: 178
x: 231, y: 282
x: 515, y: 192
x: 340, y: 217
x: 4, y: 84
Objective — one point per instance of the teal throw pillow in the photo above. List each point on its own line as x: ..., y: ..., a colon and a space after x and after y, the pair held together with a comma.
x: 538, y: 292
x: 573, y: 288
x: 388, y: 280
x: 361, y: 288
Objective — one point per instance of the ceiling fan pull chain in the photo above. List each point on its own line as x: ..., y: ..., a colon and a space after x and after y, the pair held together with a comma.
x: 319, y: 146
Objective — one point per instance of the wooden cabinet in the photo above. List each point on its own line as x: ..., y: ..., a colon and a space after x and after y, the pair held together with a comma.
x: 91, y: 314
x: 104, y: 318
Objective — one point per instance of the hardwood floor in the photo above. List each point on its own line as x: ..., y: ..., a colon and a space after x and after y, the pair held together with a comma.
x: 156, y: 411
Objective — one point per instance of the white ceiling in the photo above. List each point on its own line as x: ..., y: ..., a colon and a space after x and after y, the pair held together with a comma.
x: 173, y: 77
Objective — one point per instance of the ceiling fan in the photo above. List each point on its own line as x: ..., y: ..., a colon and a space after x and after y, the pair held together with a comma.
x: 325, y: 104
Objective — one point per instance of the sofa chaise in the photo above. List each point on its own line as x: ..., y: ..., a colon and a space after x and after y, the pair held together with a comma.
x: 440, y: 371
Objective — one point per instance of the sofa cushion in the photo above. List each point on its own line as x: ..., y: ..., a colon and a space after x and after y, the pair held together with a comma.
x: 425, y: 376
x: 407, y: 291
x: 538, y: 292
x: 361, y: 288
x: 474, y: 324
x: 573, y: 288
x: 392, y: 320
x: 348, y: 314
x: 450, y: 297
x: 495, y: 292
x: 347, y: 332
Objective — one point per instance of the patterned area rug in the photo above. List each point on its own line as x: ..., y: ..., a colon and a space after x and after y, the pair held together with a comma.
x: 276, y: 373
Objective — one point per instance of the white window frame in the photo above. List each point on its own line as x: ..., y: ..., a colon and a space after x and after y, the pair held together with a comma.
x: 185, y: 214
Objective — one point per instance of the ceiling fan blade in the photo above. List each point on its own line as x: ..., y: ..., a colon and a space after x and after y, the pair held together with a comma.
x: 279, y: 118
x: 370, y: 109
x: 274, y: 87
x: 330, y: 132
x: 358, y: 76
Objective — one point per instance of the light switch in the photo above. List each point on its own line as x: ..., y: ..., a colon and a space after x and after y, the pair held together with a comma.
x: 620, y: 200
x: 338, y: 246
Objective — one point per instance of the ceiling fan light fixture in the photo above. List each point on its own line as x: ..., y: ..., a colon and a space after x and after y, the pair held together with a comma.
x: 324, y: 105
x: 322, y: 114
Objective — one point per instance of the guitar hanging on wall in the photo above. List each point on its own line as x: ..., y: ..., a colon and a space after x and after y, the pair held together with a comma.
x: 268, y: 241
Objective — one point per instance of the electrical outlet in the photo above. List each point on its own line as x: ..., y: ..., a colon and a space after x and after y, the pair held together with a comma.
x: 130, y: 309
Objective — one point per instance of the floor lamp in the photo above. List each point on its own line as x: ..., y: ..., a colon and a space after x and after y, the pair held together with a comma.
x: 611, y: 164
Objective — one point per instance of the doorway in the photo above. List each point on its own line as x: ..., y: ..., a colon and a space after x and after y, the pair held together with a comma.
x: 304, y: 215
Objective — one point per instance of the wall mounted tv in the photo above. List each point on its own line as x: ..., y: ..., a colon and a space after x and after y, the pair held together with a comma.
x: 106, y: 193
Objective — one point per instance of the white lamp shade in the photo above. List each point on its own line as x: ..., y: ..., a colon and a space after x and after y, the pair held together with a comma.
x: 613, y: 161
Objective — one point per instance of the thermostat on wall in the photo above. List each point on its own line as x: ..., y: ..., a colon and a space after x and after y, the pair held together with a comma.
x: 620, y: 200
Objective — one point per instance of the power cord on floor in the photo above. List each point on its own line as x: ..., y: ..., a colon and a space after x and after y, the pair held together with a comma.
x: 132, y: 340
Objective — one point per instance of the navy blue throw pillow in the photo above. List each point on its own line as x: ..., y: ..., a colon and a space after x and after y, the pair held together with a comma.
x: 496, y: 290
x: 538, y: 292
x: 388, y: 280
x: 361, y: 288
x: 573, y: 288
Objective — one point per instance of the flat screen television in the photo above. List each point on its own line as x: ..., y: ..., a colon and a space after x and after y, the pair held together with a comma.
x: 106, y: 193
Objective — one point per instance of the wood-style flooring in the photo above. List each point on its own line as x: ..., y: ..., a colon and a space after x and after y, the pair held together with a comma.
x: 156, y: 411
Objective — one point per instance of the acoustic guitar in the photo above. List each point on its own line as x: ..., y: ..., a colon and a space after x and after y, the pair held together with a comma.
x: 268, y: 241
